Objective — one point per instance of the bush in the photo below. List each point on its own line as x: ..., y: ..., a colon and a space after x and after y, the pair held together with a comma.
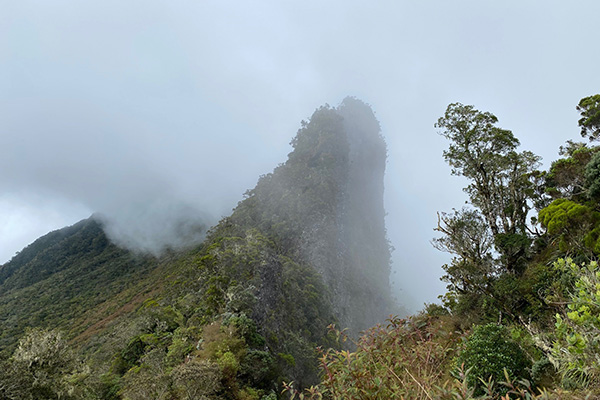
x: 43, y: 367
x: 404, y: 359
x: 487, y: 352
x: 576, y: 345
x: 197, y: 379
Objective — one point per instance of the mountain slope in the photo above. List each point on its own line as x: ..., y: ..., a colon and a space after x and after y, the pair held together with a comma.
x: 62, y: 275
x: 304, y: 249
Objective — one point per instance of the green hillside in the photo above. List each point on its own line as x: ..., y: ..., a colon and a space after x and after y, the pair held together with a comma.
x: 61, y: 276
x: 245, y: 310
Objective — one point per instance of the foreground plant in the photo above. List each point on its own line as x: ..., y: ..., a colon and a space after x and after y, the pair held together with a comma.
x: 576, y: 348
x: 403, y: 359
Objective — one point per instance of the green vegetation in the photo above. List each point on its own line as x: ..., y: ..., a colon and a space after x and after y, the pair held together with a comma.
x: 589, y: 107
x: 63, y: 278
x: 240, y: 313
x: 43, y: 367
x: 488, y: 352
x: 249, y: 314
x: 576, y: 347
x: 520, y: 319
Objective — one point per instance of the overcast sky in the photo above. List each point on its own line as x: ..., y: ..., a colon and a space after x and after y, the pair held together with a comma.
x: 145, y: 109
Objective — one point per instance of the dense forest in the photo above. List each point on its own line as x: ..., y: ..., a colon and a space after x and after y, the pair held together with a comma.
x: 271, y: 305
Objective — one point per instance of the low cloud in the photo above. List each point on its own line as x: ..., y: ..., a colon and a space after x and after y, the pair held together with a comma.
x: 158, y: 226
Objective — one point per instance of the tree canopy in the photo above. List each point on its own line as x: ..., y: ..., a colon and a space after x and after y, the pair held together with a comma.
x: 589, y: 107
x: 500, y: 185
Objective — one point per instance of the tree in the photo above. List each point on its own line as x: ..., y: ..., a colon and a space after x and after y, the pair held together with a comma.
x: 567, y: 176
x: 466, y: 235
x: 592, y: 176
x: 589, y: 108
x: 500, y: 186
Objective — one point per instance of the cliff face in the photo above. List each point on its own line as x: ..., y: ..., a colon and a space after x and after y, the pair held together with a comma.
x: 349, y: 247
x: 325, y: 207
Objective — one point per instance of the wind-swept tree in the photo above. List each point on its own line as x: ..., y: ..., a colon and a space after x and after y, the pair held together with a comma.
x: 500, y: 185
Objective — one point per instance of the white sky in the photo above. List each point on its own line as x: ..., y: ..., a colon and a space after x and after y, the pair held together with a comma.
x: 133, y: 107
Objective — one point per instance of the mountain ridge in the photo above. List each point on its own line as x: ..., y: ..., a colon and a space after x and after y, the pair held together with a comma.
x: 304, y: 249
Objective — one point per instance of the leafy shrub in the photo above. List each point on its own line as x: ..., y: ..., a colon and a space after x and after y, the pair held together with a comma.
x: 129, y: 356
x: 149, y: 380
x: 543, y: 373
x: 246, y: 328
x: 572, y: 224
x: 42, y: 367
x: 487, y: 352
x: 577, y: 335
x: 181, y: 345
x: 258, y: 368
x: 270, y: 396
x: 229, y: 364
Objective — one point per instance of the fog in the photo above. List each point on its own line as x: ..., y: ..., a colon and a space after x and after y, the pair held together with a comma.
x: 149, y: 111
